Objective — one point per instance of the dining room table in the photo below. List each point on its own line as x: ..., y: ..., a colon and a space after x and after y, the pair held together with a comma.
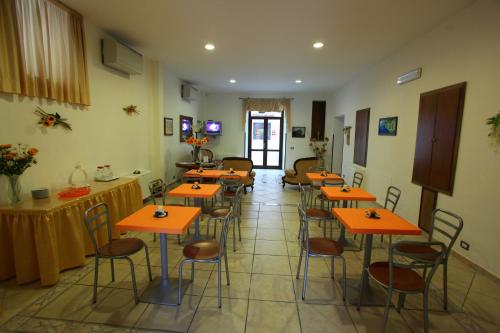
x: 203, y: 191
x: 163, y: 289
x: 336, y: 193
x: 359, y: 221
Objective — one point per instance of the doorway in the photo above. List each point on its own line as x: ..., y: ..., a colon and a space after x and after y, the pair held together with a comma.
x: 265, y: 139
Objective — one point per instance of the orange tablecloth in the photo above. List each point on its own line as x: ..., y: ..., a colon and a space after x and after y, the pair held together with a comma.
x: 355, y: 194
x: 186, y: 191
x: 40, y: 238
x: 317, y: 177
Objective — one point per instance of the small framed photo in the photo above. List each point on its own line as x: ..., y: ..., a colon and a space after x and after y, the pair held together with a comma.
x: 298, y: 132
x: 388, y: 126
x: 168, y: 126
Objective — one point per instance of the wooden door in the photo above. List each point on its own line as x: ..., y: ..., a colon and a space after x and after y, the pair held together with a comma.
x: 361, y: 136
x: 318, y: 120
x: 438, y: 134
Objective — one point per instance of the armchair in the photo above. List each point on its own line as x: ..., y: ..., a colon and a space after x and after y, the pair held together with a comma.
x: 298, y: 174
x: 240, y: 163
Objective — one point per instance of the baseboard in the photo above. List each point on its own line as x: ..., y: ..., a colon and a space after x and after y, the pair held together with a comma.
x: 475, y: 266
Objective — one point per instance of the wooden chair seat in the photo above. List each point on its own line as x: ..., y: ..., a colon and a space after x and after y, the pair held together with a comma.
x: 416, y: 249
x: 404, y: 279
x: 219, y: 212
x: 318, y: 213
x: 121, y: 247
x: 202, y: 250
x: 325, y: 246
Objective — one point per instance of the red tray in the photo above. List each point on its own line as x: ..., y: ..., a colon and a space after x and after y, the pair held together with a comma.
x: 74, y: 192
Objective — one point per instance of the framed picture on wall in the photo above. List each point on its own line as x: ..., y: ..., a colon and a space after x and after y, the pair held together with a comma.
x: 186, y: 127
x: 388, y: 126
x: 168, y: 126
x: 298, y: 132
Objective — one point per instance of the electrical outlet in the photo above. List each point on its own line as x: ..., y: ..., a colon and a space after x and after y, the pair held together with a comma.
x: 464, y: 245
x: 174, y: 176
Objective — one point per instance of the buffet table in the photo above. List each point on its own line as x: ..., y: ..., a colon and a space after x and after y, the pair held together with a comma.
x: 40, y: 238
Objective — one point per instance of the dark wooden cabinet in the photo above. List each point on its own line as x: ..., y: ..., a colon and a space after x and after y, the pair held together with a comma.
x: 438, y: 136
x: 318, y: 120
x: 361, y: 136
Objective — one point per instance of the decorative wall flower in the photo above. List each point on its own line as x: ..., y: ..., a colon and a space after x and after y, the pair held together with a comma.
x: 51, y: 119
x: 131, y: 109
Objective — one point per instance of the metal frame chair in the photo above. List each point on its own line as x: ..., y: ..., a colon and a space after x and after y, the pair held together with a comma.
x: 316, y: 214
x: 391, y: 198
x: 402, y: 277
x: 448, y: 225
x: 318, y: 247
x: 97, y: 217
x: 218, y: 214
x: 357, y: 180
x: 197, y: 252
x: 157, y: 190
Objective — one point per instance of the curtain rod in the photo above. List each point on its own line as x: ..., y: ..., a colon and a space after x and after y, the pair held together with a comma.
x: 290, y: 98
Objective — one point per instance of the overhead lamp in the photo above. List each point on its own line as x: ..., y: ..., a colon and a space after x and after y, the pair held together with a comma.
x: 318, y: 45
x: 209, y: 47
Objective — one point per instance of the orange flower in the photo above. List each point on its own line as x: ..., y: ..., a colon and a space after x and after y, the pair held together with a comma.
x: 9, y: 156
x: 5, y: 146
x: 190, y: 140
x: 32, y: 151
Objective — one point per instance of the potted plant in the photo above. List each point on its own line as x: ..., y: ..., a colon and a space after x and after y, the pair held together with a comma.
x: 13, y: 162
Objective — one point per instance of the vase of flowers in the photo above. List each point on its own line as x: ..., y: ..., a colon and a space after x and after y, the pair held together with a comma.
x: 196, y: 144
x: 13, y: 162
x: 319, y: 149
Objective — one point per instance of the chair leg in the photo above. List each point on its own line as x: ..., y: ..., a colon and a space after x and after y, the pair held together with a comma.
x: 361, y: 289
x: 148, y: 262
x: 112, y: 270
x: 234, y: 235
x: 300, y: 262
x: 96, y: 277
x: 134, y: 283
x: 401, y: 302
x: 426, y: 310
x: 192, y: 270
x: 219, y: 283
x: 179, y: 295
x: 333, y: 267
x: 445, y: 284
x: 179, y: 239
x: 239, y: 227
x: 304, y: 288
x: 344, y: 279
x: 154, y: 236
x: 227, y: 267
x: 387, y: 308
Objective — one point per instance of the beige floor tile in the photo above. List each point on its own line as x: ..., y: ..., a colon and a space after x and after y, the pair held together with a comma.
x: 268, y: 223
x: 319, y: 290
x: 243, y: 246
x: 239, y: 262
x: 121, y: 271
x: 246, y: 233
x: 292, y: 234
x: 174, y: 255
x: 483, y: 301
x: 324, y: 318
x: 272, y: 288
x: 239, y: 285
x: 170, y: 318
x: 118, y: 308
x: 369, y: 319
x: 249, y: 223
x: 270, y: 208
x: 270, y: 247
x: 201, y: 278
x: 231, y: 317
x: 318, y: 267
x: 74, y: 304
x: 268, y: 264
x: 14, y: 298
x: 293, y: 248
x: 270, y: 234
x: 289, y: 208
x: 438, y: 321
x: 46, y: 325
x: 264, y: 316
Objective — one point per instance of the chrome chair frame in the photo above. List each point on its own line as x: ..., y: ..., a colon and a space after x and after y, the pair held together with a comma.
x: 218, y: 260
x: 304, y: 200
x: 91, y: 217
x: 417, y: 261
x: 391, y: 198
x: 304, y: 246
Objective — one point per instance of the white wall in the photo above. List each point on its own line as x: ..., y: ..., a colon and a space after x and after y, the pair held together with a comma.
x: 102, y: 133
x: 464, y: 48
x: 171, y: 149
x: 227, y: 107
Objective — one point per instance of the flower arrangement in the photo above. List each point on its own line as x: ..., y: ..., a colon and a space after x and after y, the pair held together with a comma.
x: 51, y: 119
x: 131, y: 109
x: 318, y: 147
x: 196, y: 144
x: 15, y: 160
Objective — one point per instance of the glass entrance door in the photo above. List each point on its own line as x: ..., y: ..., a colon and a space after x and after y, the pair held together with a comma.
x: 265, y: 139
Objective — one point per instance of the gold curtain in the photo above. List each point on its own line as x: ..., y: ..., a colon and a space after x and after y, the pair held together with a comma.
x: 268, y: 105
x: 43, y: 51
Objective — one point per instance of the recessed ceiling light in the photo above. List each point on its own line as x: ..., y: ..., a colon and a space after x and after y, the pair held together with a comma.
x: 318, y: 45
x: 232, y: 81
x: 209, y: 46
x: 298, y: 81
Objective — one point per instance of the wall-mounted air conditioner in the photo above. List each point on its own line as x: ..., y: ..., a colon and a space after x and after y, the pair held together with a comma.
x: 188, y: 92
x: 120, y: 57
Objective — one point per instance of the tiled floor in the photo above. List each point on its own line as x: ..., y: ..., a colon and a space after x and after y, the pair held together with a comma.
x: 264, y: 295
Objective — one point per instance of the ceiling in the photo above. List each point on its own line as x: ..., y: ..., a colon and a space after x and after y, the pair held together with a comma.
x: 267, y: 44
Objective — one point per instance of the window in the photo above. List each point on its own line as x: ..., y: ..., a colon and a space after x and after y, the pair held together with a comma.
x: 45, y: 51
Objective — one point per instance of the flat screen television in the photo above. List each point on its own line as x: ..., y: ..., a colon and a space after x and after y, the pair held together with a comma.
x: 185, y: 126
x: 213, y: 128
